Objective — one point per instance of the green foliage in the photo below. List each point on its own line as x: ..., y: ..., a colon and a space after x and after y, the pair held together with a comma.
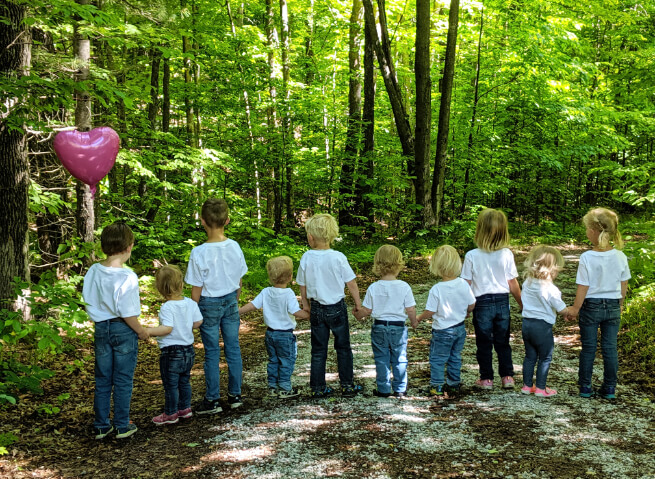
x: 638, y: 328
x: 7, y: 439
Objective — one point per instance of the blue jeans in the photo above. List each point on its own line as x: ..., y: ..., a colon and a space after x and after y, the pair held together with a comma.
x: 604, y: 314
x: 326, y: 318
x: 175, y: 363
x: 446, y: 351
x: 221, y: 315
x: 390, y: 352
x: 491, y: 321
x: 282, y: 352
x: 116, y: 347
x: 539, y: 344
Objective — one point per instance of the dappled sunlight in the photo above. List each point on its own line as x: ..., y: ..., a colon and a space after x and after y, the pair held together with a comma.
x: 239, y: 454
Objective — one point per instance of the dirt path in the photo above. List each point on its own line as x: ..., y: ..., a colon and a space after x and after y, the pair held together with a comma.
x: 476, y: 434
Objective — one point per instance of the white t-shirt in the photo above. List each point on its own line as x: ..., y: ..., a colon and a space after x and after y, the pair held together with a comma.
x: 388, y: 300
x: 111, y: 293
x: 324, y: 272
x: 278, y: 305
x: 217, y: 267
x: 603, y: 272
x: 180, y: 315
x: 541, y: 300
x: 489, y: 271
x: 450, y: 301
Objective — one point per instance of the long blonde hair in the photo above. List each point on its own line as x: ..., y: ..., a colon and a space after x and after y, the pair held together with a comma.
x: 491, y: 232
x: 605, y: 222
x: 543, y: 262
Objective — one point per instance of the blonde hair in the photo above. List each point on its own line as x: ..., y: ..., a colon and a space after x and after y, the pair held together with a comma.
x: 322, y: 227
x: 279, y: 269
x: 543, y: 262
x: 606, y: 222
x: 215, y: 212
x: 387, y: 260
x: 168, y: 281
x: 445, y: 262
x: 491, y: 232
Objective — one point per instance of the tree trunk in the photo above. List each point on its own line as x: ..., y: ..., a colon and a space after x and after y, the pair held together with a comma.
x: 273, y: 124
x: 286, y: 120
x: 15, y: 51
x: 166, y: 100
x: 444, y: 112
x: 188, y: 81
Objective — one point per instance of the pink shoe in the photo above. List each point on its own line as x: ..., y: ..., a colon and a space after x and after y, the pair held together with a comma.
x: 508, y: 382
x: 165, y: 419
x: 185, y: 413
x: 528, y: 389
x: 484, y: 383
x: 545, y: 393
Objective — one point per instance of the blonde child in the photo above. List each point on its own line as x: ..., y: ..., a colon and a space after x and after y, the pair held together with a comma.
x: 389, y: 301
x: 449, y: 302
x: 541, y: 300
x: 215, y: 271
x: 279, y: 305
x: 178, y: 317
x: 322, y: 275
x: 491, y: 272
x: 602, y: 280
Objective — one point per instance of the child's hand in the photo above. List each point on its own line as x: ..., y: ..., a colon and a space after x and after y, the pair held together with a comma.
x: 144, y: 335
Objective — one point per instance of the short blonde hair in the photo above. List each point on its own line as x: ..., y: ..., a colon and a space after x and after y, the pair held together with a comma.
x: 387, y: 260
x: 279, y: 269
x: 491, y: 232
x: 322, y: 227
x: 606, y: 222
x: 543, y: 262
x: 445, y: 262
x: 215, y: 212
x: 168, y: 281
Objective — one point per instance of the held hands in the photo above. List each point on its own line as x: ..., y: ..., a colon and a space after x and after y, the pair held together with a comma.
x: 143, y: 334
x: 570, y: 313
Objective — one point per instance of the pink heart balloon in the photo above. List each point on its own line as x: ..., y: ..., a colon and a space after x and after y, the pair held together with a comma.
x: 88, y: 156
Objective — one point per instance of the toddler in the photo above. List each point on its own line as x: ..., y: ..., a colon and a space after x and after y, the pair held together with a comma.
x: 449, y: 302
x: 178, y: 317
x: 390, y: 301
x: 279, y: 305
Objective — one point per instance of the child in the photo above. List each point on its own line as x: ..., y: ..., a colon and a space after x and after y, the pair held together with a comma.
x: 178, y: 317
x: 491, y: 272
x: 111, y: 292
x: 390, y: 301
x: 321, y: 275
x: 602, y: 281
x: 541, y: 299
x: 279, y: 305
x: 449, y: 303
x: 215, y: 271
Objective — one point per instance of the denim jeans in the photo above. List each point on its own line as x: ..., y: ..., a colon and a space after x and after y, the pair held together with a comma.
x: 390, y: 353
x: 221, y: 315
x: 326, y: 318
x: 606, y: 315
x: 446, y: 351
x: 116, y: 347
x: 282, y: 352
x: 539, y: 344
x: 491, y: 321
x: 175, y: 363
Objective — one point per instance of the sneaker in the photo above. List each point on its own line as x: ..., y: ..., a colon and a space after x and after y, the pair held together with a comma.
x: 102, y: 432
x: 452, y: 389
x: 586, y: 392
x: 273, y: 392
x: 607, y: 392
x: 284, y: 394
x: 165, y: 419
x: 378, y: 394
x: 234, y: 401
x: 484, y: 383
x: 400, y: 394
x: 322, y: 394
x: 528, y: 389
x: 545, y: 393
x: 351, y: 391
x: 434, y: 390
x: 208, y: 407
x: 185, y: 413
x: 508, y: 382
x: 123, y: 432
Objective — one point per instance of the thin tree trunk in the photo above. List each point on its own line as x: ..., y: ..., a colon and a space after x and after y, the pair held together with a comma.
x: 273, y: 124
x: 188, y: 80
x: 286, y: 120
x: 166, y: 100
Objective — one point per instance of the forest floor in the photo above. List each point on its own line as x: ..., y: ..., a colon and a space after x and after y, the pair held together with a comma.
x: 496, y: 433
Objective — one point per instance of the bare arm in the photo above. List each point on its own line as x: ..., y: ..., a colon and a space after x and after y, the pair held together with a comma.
x: 580, y: 295
x: 362, y: 312
x: 239, y: 290
x: 427, y: 314
x: 196, y: 292
x: 196, y: 324
x: 515, y: 290
x: 247, y: 308
x: 133, y: 322
x: 301, y: 314
x: 354, y: 292
x: 411, y: 314
x: 624, y: 290
x: 160, y: 330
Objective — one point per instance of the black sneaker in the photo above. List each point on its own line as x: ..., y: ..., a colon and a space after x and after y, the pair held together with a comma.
x: 351, y: 391
x: 400, y: 394
x: 123, y: 432
x: 322, y: 394
x: 234, y: 401
x: 377, y: 393
x: 284, y: 394
x: 452, y: 389
x: 436, y: 390
x: 607, y: 392
x: 208, y: 407
x: 102, y: 432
